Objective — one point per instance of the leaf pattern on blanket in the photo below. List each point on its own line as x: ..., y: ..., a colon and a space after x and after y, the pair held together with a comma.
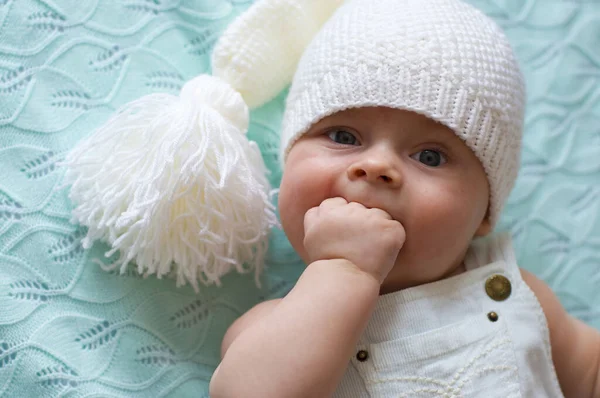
x: 70, y: 328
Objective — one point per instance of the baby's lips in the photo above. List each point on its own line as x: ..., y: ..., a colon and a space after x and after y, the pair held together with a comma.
x: 369, y: 199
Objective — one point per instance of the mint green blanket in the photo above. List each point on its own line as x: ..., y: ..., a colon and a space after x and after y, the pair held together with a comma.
x: 69, y: 329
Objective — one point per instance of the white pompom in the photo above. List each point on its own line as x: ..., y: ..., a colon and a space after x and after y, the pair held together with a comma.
x: 173, y: 184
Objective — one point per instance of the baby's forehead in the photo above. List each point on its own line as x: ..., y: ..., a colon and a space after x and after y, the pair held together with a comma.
x: 401, y: 120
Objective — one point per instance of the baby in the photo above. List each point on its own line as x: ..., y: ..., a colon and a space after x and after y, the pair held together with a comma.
x: 401, y: 142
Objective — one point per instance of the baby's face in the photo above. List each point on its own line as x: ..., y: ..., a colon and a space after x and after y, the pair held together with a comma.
x: 415, y: 169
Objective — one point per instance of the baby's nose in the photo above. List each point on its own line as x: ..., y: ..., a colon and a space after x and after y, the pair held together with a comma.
x: 375, y: 171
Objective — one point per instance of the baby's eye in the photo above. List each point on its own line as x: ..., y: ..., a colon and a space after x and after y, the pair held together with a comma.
x: 430, y: 157
x: 342, y: 137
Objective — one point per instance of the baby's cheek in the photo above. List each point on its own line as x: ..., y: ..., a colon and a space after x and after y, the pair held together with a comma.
x: 292, y: 217
x: 441, y: 221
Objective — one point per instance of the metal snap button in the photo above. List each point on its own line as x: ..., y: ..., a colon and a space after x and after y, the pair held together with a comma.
x: 498, y: 287
x: 492, y: 316
x: 362, y: 355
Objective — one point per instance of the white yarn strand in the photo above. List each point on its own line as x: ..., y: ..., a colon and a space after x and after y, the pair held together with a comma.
x: 169, y: 183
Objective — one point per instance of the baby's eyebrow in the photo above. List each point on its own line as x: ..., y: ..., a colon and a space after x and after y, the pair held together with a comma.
x: 438, y: 131
x: 327, y: 124
x: 437, y: 135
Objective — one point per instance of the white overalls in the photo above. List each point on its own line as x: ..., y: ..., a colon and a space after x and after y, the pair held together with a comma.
x: 478, y: 334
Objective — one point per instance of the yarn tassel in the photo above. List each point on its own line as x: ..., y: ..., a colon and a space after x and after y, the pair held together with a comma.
x: 172, y: 183
x: 169, y: 180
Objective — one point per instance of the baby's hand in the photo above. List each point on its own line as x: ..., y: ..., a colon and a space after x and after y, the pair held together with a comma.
x: 369, y: 238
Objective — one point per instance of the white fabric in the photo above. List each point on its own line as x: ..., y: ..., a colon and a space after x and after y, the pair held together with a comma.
x: 436, y: 340
x: 259, y: 52
x: 442, y: 58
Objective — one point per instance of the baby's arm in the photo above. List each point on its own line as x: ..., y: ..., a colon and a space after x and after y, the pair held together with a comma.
x: 575, y: 345
x: 301, y: 345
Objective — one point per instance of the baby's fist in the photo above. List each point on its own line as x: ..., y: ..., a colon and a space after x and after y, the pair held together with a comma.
x: 369, y: 238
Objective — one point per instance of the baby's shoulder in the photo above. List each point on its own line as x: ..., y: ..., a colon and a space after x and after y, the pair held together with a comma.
x: 575, y: 345
x: 542, y: 291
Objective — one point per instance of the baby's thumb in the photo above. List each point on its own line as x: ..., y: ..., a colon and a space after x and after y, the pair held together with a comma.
x: 310, y: 217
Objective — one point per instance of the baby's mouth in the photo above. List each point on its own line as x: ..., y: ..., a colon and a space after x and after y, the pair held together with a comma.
x: 371, y: 204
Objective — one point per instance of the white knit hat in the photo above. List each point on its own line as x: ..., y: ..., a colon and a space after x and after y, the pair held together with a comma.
x: 441, y: 58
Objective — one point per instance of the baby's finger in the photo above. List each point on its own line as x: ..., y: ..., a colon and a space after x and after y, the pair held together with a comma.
x: 310, y: 216
x: 333, y: 203
x: 357, y: 205
x: 380, y: 213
